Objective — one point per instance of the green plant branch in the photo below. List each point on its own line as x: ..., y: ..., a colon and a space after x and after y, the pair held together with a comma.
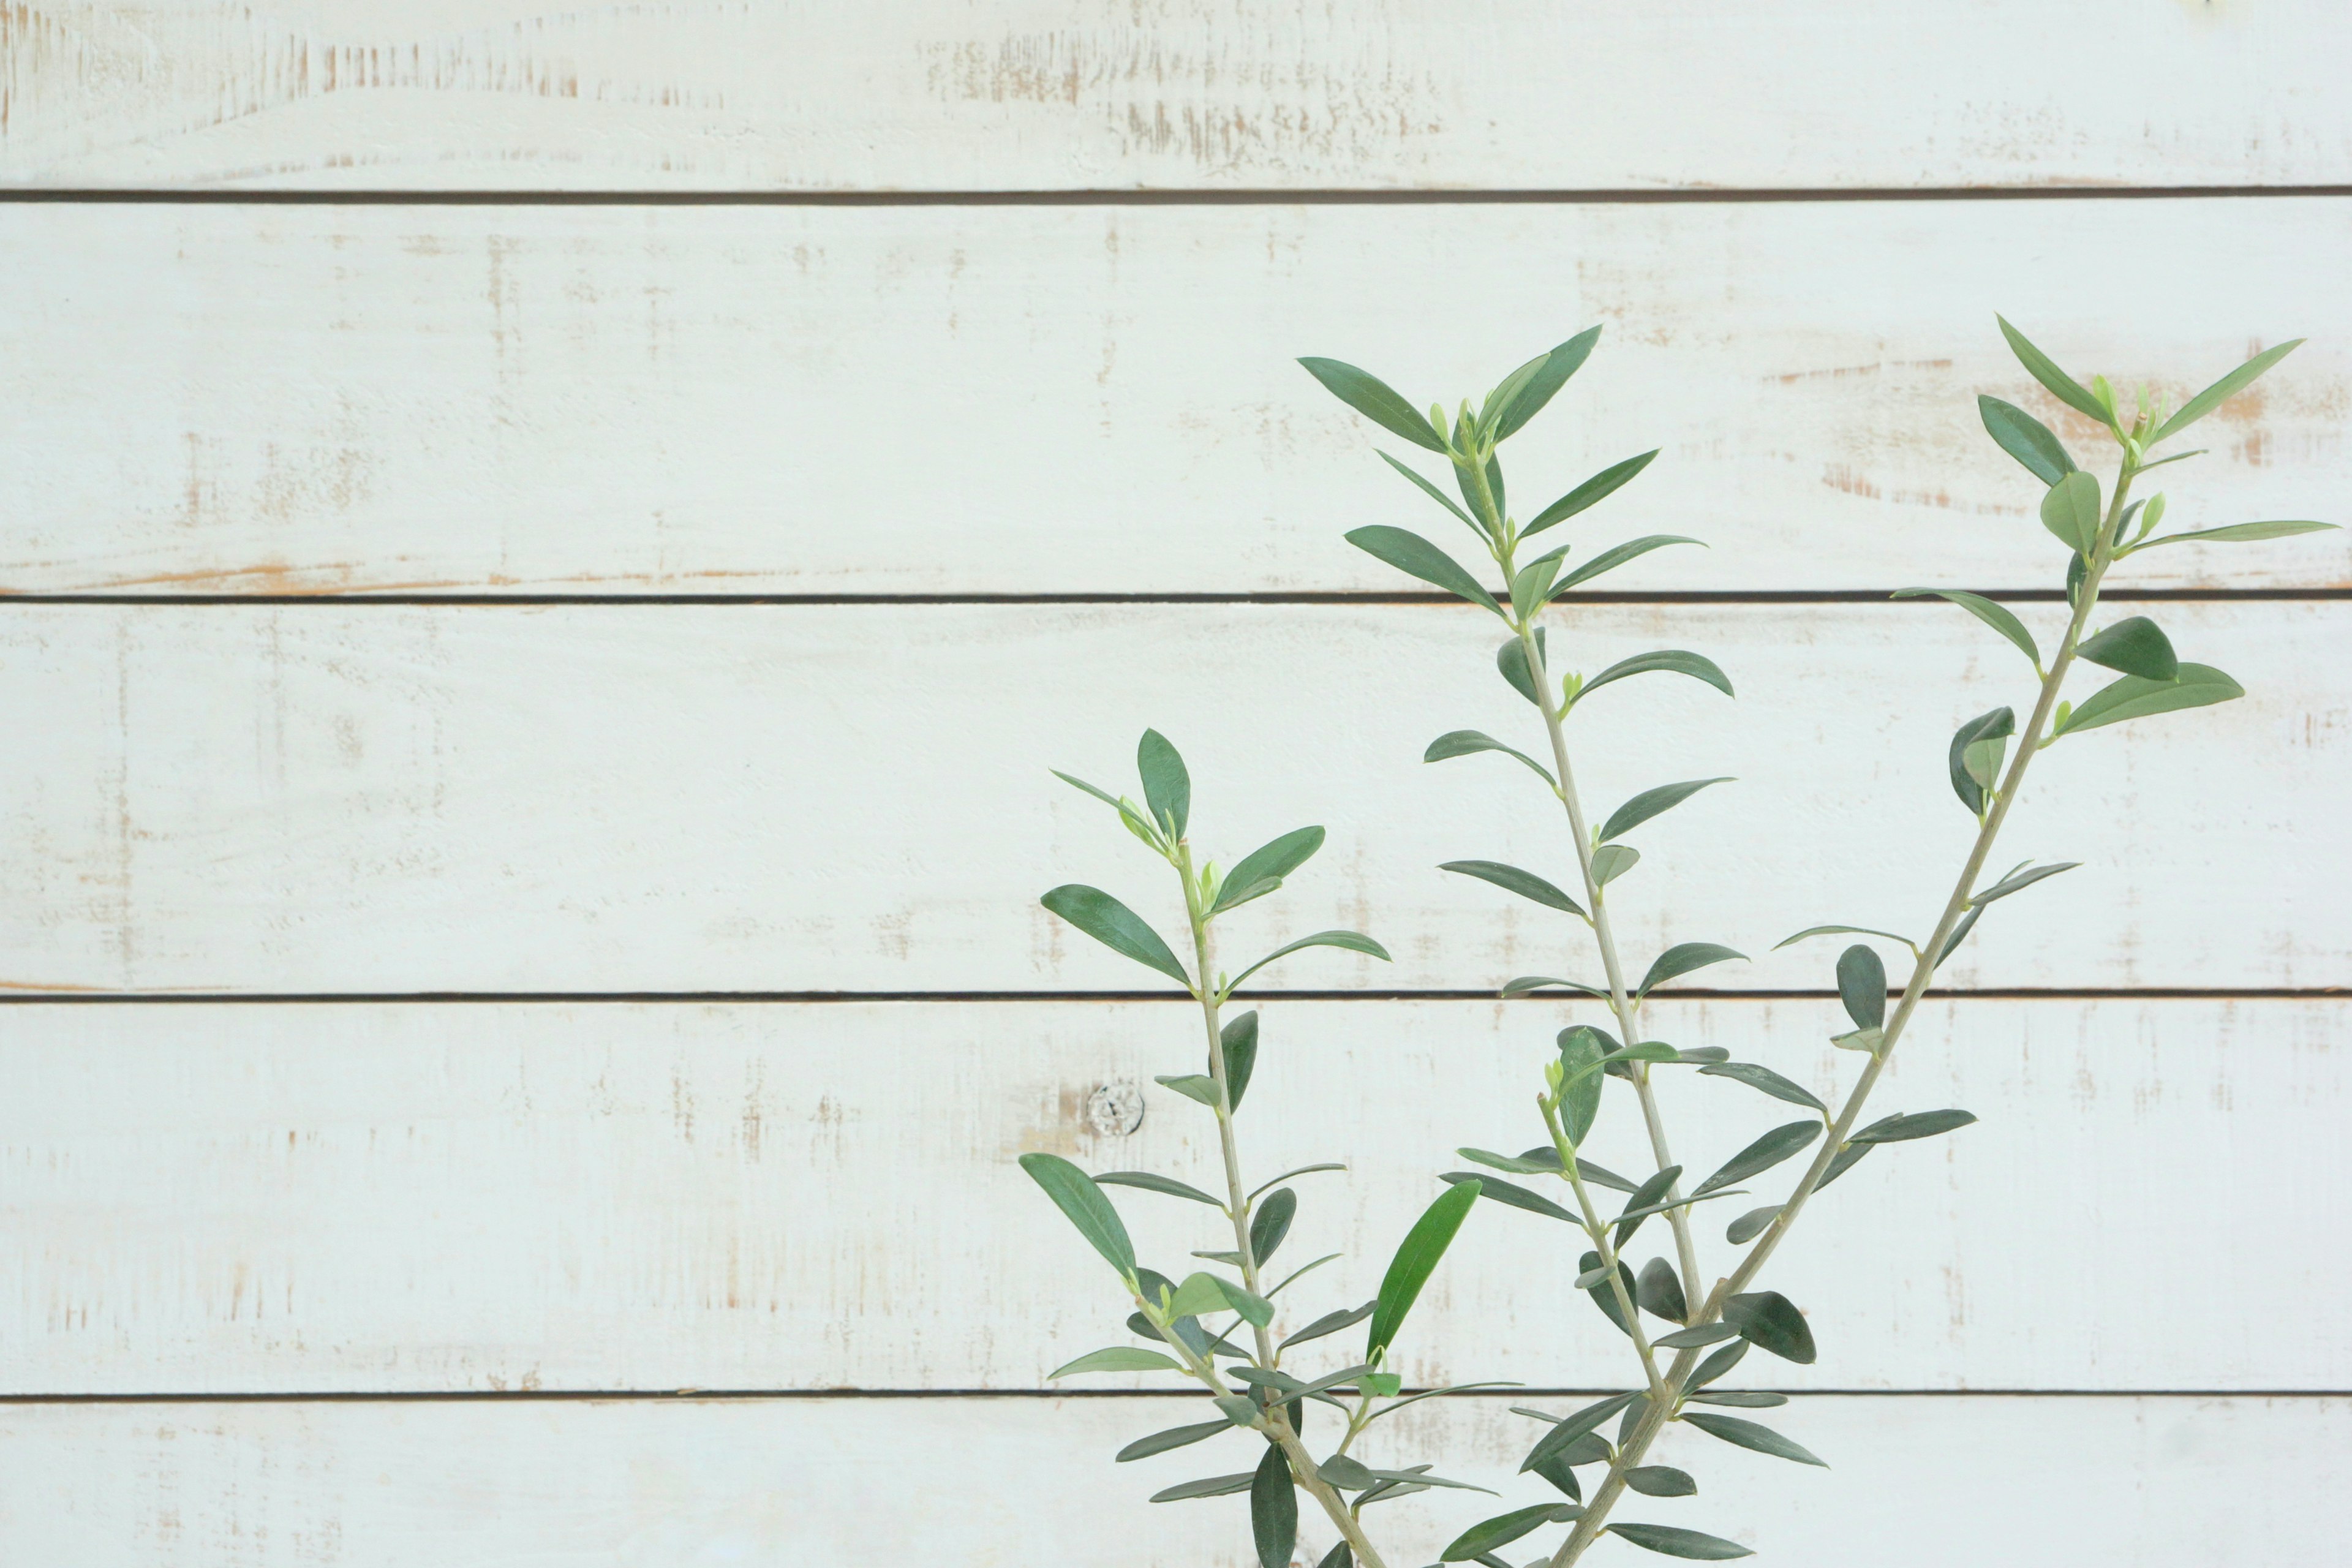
x: 1598, y: 1229
x: 1631, y: 1453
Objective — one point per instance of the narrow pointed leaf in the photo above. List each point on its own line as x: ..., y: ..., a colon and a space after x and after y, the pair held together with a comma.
x: 1075, y: 1193
x: 1593, y: 1279
x: 1340, y: 1556
x: 1720, y: 1362
x: 1765, y: 1080
x: 1671, y: 661
x: 1742, y: 1401
x: 1152, y: 1184
x: 1266, y: 863
x: 1238, y: 1039
x: 1764, y: 1153
x: 1599, y: 487
x: 1510, y: 878
x: 1274, y: 1510
x: 1568, y: 1431
x: 1375, y: 399
x: 1115, y: 926
x: 1997, y: 616
x: 1672, y: 1541
x: 1997, y: 725
x: 2221, y: 391
x: 1682, y: 959
x: 1118, y: 1358
x: 1271, y: 1223
x: 1847, y: 1158
x: 1467, y: 743
x: 2044, y: 369
x: 1769, y: 1321
x: 1616, y: 556
x: 1521, y: 1164
x: 2243, y: 533
x: 1651, y: 801
x: 1329, y: 1323
x: 1430, y: 490
x: 1661, y: 1481
x: 2026, y: 438
x: 1692, y: 1339
x: 1581, y: 1047
x: 1488, y: 1535
x: 1166, y: 786
x: 1511, y: 660
x: 1353, y: 941
x: 2136, y: 646
x: 1749, y: 1434
x: 1902, y: 1129
x: 2134, y: 696
x: 1174, y: 1438
x: 1511, y: 1193
x: 1416, y: 1258
x: 1416, y: 557
x: 1192, y: 1086
x: 1861, y: 987
x: 1841, y: 930
x: 1212, y: 1486
x: 1643, y: 1202
x: 1558, y: 367
x: 2017, y: 881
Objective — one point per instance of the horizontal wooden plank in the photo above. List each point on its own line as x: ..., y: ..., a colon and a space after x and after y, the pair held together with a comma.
x: 597, y: 1197
x: 2159, y: 1483
x: 335, y: 798
x: 1089, y: 400
x: 1052, y: 94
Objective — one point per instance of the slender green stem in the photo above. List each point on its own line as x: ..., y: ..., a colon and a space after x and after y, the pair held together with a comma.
x: 1598, y: 1229
x: 1278, y: 1420
x: 1637, y: 1442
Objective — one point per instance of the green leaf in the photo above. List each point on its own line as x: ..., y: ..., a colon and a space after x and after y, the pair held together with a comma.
x: 1272, y: 1223
x: 1531, y: 585
x: 1682, y: 958
x: 1841, y: 930
x: 1673, y: 1541
x: 1636, y: 1215
x: 1340, y: 1556
x: 2243, y: 533
x: 1660, y: 1290
x: 1466, y: 742
x: 1593, y: 1279
x: 1749, y: 1434
x: 1262, y: 871
x: 1328, y: 1323
x: 1661, y: 1481
x: 1769, y: 1321
x: 2026, y: 438
x: 1522, y: 1164
x: 1510, y: 878
x: 1616, y: 556
x: 1166, y: 786
x: 1901, y: 1129
x: 1555, y: 369
x: 1203, y: 1293
x: 1115, y: 926
x: 1716, y: 1365
x: 1997, y: 616
x: 1212, y: 1486
x: 1274, y: 1510
x: 2070, y: 511
x: 1764, y: 1153
x: 1640, y: 1204
x: 1692, y: 1339
x: 1511, y: 659
x: 1511, y: 1193
x: 1959, y: 934
x: 1847, y: 1158
x: 1238, y: 1039
x: 2018, y: 880
x: 1671, y: 661
x: 1118, y: 1358
x: 1152, y: 1183
x: 1861, y: 987
x: 1566, y: 1432
x: 1488, y: 1535
x: 1174, y: 1438
x: 1611, y: 862
x: 2221, y: 391
x: 1192, y: 1086
x: 1581, y: 1047
x: 1765, y: 1080
x: 1353, y: 941
x: 1997, y: 725
x: 2136, y: 646
x: 1375, y: 399
x: 1742, y: 1401
x: 1750, y: 1225
x: 1075, y: 1193
x: 1416, y: 557
x: 1439, y: 496
x: 1416, y: 1260
x: 2044, y: 369
x: 2135, y: 696
x: 1599, y: 487
x: 1651, y: 801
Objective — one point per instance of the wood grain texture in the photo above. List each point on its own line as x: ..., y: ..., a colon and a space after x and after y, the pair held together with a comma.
x: 592, y: 1197
x: 342, y: 798
x: 2159, y: 1483
x: 1055, y: 94
x: 1088, y: 400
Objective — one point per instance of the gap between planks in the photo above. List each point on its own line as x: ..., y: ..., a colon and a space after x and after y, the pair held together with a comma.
x: 1299, y: 597
x: 1602, y: 196
x: 813, y: 1395
x: 31, y: 996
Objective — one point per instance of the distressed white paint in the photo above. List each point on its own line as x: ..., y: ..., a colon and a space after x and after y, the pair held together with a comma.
x: 333, y: 798
x: 597, y: 1197
x: 1948, y: 1483
x: 960, y: 400
x: 430, y: 94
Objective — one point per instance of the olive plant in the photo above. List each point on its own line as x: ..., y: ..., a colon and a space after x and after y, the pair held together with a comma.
x: 1705, y: 1322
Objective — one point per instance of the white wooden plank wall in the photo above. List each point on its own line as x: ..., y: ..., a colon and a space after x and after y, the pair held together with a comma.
x: 549, y: 553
